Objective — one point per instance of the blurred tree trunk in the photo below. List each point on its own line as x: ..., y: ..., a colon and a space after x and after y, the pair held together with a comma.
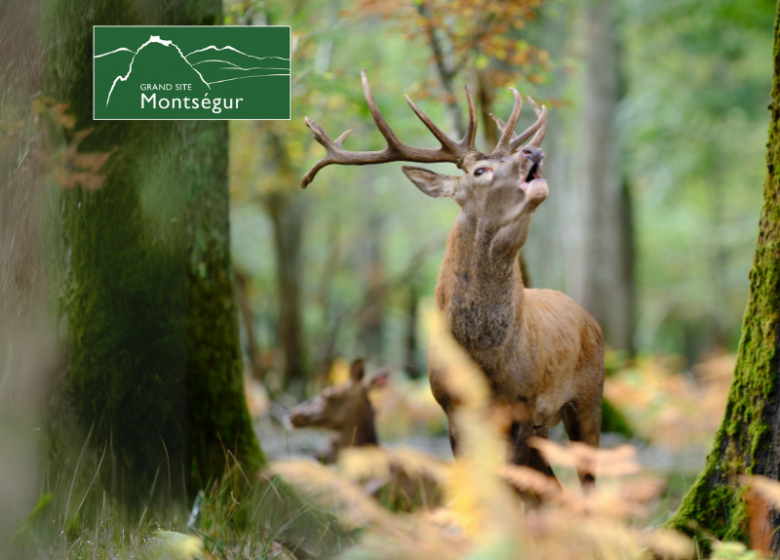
x: 371, y: 315
x: 485, y: 98
x: 747, y: 440
x: 245, y: 303
x: 549, y: 251
x: 443, y: 64
x: 286, y: 206
x: 154, y: 365
x: 605, y: 280
x: 411, y: 361
x: 286, y: 212
x: 326, y: 346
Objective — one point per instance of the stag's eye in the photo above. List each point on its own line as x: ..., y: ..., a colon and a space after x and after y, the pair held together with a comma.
x: 479, y: 171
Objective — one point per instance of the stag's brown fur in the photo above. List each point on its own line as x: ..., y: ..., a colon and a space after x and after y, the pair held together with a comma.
x: 541, y: 352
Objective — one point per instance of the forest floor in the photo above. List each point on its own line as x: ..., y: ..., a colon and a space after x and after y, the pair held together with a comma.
x: 641, y: 481
x: 673, y: 412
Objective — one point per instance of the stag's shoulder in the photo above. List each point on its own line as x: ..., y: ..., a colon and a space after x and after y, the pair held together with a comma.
x: 553, y: 302
x: 558, y: 308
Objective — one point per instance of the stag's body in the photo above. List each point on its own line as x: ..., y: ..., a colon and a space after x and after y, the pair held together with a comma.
x: 542, y: 353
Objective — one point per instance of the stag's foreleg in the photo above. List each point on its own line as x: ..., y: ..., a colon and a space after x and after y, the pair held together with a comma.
x: 582, y: 420
x: 525, y: 455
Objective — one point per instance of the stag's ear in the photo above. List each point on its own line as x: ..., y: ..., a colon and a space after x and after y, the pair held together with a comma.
x: 357, y: 371
x: 431, y: 183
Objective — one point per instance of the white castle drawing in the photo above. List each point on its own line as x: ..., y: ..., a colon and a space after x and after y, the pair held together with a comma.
x: 230, y: 65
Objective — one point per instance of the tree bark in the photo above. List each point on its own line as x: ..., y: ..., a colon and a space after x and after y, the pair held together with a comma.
x: 411, y: 361
x: 604, y: 288
x: 485, y: 98
x: 443, y: 65
x: 245, y: 304
x: 286, y: 206
x: 371, y: 315
x: 747, y: 441
x: 154, y: 365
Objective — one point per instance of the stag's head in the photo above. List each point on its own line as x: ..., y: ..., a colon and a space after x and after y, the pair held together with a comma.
x: 502, y: 188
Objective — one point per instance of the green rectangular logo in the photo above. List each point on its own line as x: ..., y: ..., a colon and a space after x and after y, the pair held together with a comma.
x: 236, y: 72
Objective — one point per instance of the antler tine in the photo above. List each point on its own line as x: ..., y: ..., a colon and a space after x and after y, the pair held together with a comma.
x: 542, y: 114
x: 449, y: 152
x: 335, y: 153
x: 467, y: 143
x: 380, y: 121
x: 445, y: 140
x: 501, y: 125
x: 539, y: 127
x: 509, y: 129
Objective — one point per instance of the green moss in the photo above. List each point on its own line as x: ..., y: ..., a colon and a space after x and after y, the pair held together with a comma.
x: 219, y: 420
x: 743, y: 445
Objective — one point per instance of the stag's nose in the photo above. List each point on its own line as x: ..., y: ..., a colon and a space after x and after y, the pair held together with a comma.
x: 533, y: 154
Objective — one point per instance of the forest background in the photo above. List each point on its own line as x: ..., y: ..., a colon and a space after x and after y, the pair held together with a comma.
x: 655, y: 160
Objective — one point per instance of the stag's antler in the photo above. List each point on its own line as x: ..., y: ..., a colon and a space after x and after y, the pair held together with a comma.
x: 449, y: 152
x: 510, y: 141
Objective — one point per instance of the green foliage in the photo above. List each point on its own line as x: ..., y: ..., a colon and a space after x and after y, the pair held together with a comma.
x: 735, y: 551
x: 693, y: 125
x: 613, y: 421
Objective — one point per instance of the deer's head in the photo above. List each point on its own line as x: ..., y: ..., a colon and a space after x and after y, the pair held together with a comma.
x: 343, y: 408
x: 500, y: 190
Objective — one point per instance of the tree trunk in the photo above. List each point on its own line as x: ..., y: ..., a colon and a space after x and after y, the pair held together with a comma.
x: 411, y: 361
x: 245, y: 303
x: 485, y: 98
x: 286, y: 206
x: 152, y: 328
x: 747, y: 440
x: 443, y: 65
x: 604, y: 288
x: 217, y: 411
x: 371, y: 315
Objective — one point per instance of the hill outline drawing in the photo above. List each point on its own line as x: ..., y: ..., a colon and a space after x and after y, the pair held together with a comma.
x: 231, y: 66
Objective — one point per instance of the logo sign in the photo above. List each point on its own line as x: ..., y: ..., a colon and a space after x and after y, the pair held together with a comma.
x: 191, y: 73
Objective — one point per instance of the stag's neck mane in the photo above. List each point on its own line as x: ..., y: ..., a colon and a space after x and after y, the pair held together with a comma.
x: 479, y: 291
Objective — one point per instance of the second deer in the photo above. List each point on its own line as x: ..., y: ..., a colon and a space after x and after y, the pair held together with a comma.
x: 542, y: 354
x: 346, y: 410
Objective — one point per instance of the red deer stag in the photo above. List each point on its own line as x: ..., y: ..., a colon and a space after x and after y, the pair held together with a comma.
x: 542, y: 354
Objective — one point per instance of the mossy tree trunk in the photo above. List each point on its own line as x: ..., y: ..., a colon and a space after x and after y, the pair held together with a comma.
x: 154, y: 366
x: 748, y: 440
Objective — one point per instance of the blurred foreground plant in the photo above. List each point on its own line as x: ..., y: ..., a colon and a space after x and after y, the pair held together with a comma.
x: 484, y: 517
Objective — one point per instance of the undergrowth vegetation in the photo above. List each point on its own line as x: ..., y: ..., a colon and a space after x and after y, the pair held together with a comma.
x: 475, y: 507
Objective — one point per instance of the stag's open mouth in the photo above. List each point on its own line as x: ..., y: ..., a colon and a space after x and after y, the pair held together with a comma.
x: 533, y: 173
